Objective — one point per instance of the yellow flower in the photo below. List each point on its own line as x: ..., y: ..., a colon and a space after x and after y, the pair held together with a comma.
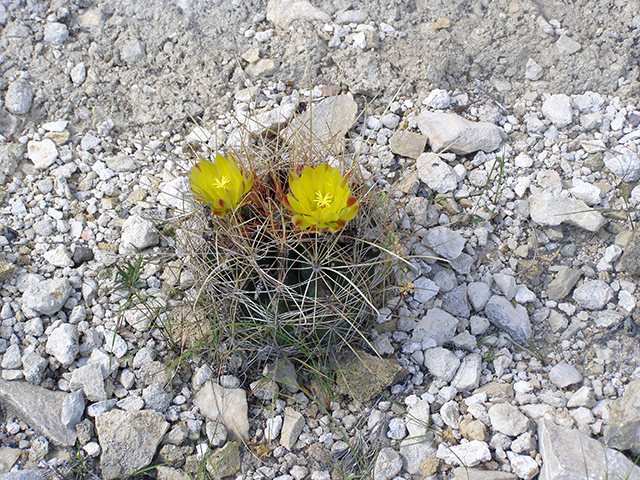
x: 221, y: 185
x: 320, y: 198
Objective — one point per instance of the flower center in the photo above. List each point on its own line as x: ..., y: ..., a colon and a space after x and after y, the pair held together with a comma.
x: 221, y: 182
x: 323, y: 201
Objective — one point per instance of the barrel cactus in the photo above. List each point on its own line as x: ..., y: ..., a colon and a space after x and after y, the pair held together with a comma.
x: 289, y: 254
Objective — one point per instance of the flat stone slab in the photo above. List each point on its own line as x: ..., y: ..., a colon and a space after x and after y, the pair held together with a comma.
x: 449, y: 132
x: 563, y: 283
x: 229, y: 405
x: 8, y: 457
x: 324, y: 126
x: 630, y: 261
x: 621, y: 431
x: 568, y: 453
x: 364, y: 376
x: 551, y: 210
x: 128, y: 440
x: 513, y: 320
x: 407, y: 144
x: 39, y: 408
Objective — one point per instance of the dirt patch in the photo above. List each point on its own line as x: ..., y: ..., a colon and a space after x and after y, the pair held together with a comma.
x: 192, y: 54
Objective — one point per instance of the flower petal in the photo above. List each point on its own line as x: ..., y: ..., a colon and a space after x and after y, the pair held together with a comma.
x: 297, y: 206
x: 221, y: 185
x: 320, y: 198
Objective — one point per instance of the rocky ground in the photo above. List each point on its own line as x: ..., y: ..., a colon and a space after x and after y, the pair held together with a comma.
x: 507, y: 131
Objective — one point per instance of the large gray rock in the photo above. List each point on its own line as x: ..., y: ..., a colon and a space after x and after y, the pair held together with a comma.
x: 19, y: 97
x: 623, y: 429
x: 55, y: 33
x: 128, y: 440
x: 388, y: 464
x: 436, y: 324
x: 468, y: 375
x: 557, y: 109
x: 549, y: 209
x: 563, y: 283
x: 63, y: 343
x: 445, y: 242
x: 90, y: 380
x: 507, y: 419
x: 469, y: 454
x: 562, y: 375
x: 283, y: 12
x: 228, y: 405
x: 42, y: 153
x: 568, y: 453
x: 137, y: 234
x: 449, y: 132
x: 513, y: 320
x: 39, y: 408
x: 47, y: 296
x: 441, y: 363
x: 630, y: 261
x: 436, y: 173
x: 479, y: 294
x: 364, y: 376
x: 456, y: 302
x: 424, y: 289
x: 324, y: 125
x: 593, y: 294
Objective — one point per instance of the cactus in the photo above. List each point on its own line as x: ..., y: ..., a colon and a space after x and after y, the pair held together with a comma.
x: 296, y: 262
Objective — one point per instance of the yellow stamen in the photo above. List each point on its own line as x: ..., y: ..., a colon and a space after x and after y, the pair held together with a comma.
x: 221, y: 182
x: 323, y: 202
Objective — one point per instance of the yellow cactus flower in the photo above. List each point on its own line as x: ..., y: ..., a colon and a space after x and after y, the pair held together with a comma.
x: 221, y: 184
x: 321, y: 199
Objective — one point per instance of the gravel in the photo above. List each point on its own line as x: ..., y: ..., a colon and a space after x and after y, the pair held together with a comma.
x: 517, y: 197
